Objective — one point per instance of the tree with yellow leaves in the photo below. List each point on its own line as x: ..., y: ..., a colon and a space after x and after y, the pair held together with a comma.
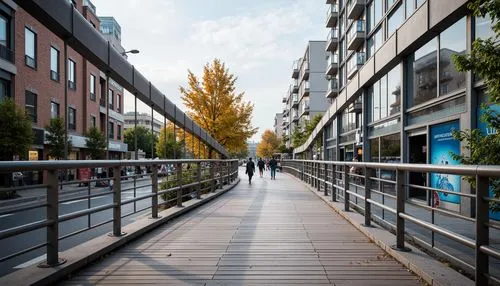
x: 168, y: 146
x: 214, y: 104
x: 268, y: 145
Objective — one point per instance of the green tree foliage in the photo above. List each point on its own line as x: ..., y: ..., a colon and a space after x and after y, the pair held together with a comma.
x: 301, y: 133
x: 484, y: 61
x: 16, y: 135
x: 96, y: 143
x: 145, y: 140
x: 170, y: 148
x: 55, y: 138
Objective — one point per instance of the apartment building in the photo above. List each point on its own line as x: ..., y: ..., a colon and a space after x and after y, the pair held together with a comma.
x: 144, y: 120
x: 306, y: 95
x: 278, y: 124
x: 396, y: 94
x: 49, y: 79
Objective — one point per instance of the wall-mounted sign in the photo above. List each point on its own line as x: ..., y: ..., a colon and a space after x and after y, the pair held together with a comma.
x: 442, y: 146
x: 33, y: 155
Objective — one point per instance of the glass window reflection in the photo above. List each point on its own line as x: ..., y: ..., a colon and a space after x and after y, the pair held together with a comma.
x: 452, y: 42
x: 394, y: 90
x: 483, y: 28
x: 423, y: 69
x: 395, y: 20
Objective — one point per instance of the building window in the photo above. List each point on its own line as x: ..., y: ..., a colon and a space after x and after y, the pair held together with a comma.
x: 54, y: 64
x: 93, y: 122
x: 423, y: 74
x: 118, y: 132
x: 111, y: 130
x: 482, y: 28
x: 5, y: 43
x: 71, y: 118
x: 394, y: 90
x: 395, y: 20
x: 4, y: 89
x: 110, y: 99
x: 31, y: 105
x: 29, y: 48
x: 384, y: 96
x: 92, y: 87
x: 378, y: 11
x: 118, y: 103
x: 54, y: 110
x: 71, y: 74
x: 452, y: 41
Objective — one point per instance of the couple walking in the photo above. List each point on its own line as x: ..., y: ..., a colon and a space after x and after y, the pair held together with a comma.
x: 250, y: 168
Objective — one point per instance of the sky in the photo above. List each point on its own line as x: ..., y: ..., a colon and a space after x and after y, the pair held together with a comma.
x: 258, y: 40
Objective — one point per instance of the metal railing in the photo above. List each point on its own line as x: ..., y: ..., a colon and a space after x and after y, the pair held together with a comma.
x: 468, y: 242
x: 169, y: 183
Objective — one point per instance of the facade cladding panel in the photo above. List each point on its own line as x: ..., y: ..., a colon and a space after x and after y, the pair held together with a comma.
x: 408, y: 77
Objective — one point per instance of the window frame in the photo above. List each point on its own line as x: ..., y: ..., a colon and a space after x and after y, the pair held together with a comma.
x: 92, y: 87
x: 71, y: 74
x: 34, y: 114
x: 52, y: 104
x: 54, y: 74
x: 30, y: 61
x: 71, y: 124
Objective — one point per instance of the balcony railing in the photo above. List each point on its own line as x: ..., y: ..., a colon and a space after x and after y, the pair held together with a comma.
x: 356, y: 34
x: 332, y: 40
x: 6, y: 54
x: 295, y: 72
x: 333, y: 88
x: 332, y: 64
x: 304, y: 70
x: 332, y: 15
x: 355, y: 8
x: 355, y: 63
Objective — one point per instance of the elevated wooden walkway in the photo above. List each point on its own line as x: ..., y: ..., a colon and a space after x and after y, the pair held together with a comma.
x: 270, y: 232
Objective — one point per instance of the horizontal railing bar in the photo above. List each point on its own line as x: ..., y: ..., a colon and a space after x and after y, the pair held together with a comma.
x: 445, y: 212
x: 24, y: 228
x: 22, y: 188
x: 17, y: 209
x: 23, y: 252
x: 383, y: 194
x: 85, y: 212
x: 490, y: 251
x: 356, y: 195
x: 380, y: 205
x: 382, y: 180
x: 439, y: 190
x: 452, y: 235
x: 85, y: 197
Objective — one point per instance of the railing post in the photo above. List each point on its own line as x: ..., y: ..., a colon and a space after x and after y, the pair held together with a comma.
x: 318, y: 176
x: 334, y: 182
x: 400, y: 208
x: 179, y: 184
x: 117, y: 201
x: 198, y: 177
x: 346, y: 187
x: 302, y: 172
x: 212, y: 176
x: 325, y: 178
x: 368, y: 192
x: 154, y: 188
x: 52, y: 215
x: 482, y: 231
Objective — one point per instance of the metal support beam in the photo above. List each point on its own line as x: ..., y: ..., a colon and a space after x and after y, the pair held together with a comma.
x: 154, y: 188
x: 482, y: 231
x: 179, y: 184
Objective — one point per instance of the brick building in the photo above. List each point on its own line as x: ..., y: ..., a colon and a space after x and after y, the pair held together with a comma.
x: 44, y: 79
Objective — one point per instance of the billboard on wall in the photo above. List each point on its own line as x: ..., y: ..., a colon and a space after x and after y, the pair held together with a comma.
x: 488, y: 131
x: 442, y: 144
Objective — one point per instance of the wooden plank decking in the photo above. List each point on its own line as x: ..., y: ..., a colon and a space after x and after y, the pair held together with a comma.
x: 270, y: 232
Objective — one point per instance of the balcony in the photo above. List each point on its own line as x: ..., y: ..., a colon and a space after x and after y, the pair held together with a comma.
x: 295, y: 118
x: 6, y: 54
x: 304, y: 89
x: 331, y: 1
x: 295, y: 102
x: 295, y: 87
x: 355, y: 8
x: 305, y: 108
x: 332, y: 64
x: 332, y: 40
x: 332, y: 15
x: 304, y: 70
x: 356, y: 35
x: 295, y: 72
x: 333, y: 88
x: 355, y: 63
x: 283, y: 100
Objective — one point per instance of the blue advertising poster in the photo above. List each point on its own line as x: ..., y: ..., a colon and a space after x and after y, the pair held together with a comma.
x: 441, y: 144
x: 488, y: 131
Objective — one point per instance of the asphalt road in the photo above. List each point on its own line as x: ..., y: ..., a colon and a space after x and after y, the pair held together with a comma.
x: 30, y: 239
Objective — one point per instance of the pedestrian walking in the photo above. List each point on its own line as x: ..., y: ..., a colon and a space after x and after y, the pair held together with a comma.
x: 250, y: 169
x: 273, y: 164
x: 261, y: 166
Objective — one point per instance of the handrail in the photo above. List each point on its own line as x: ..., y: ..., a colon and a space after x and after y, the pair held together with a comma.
x: 341, y: 184
x: 189, y: 180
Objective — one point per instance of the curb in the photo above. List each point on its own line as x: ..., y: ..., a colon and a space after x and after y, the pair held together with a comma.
x: 86, y: 253
x: 426, y: 267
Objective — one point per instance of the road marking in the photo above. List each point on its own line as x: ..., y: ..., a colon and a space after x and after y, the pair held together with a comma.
x: 83, y: 200
x: 31, y: 262
x: 6, y: 215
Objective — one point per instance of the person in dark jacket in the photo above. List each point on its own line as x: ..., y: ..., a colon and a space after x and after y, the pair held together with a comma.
x: 250, y: 169
x: 261, y: 166
x: 273, y: 164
